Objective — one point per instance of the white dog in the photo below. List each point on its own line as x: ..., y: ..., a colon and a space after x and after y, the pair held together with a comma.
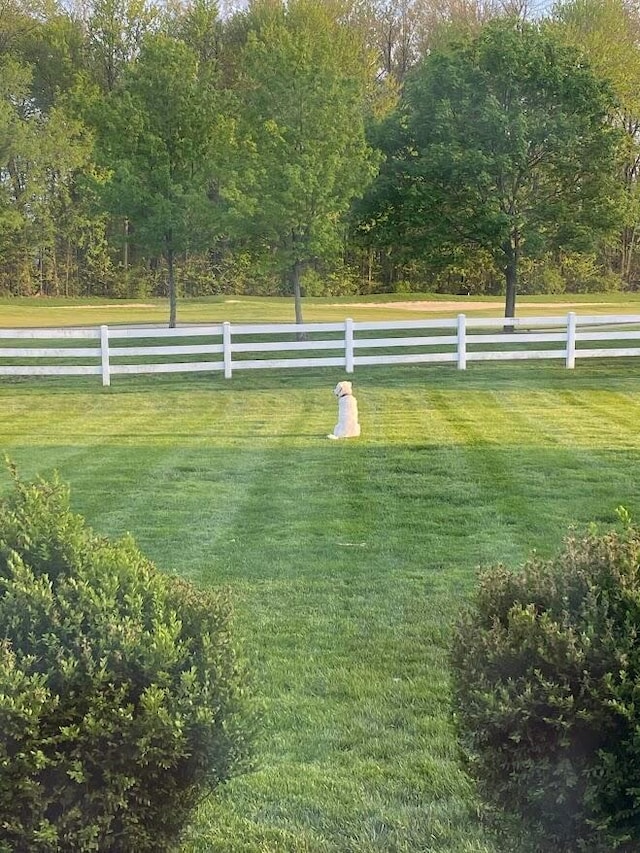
x: 347, y: 426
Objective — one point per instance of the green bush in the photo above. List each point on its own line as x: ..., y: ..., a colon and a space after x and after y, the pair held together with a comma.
x: 540, y: 275
x: 121, y: 699
x: 584, y: 273
x: 546, y: 666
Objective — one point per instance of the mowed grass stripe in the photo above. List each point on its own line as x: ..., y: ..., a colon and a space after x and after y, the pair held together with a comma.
x: 347, y: 560
x: 529, y: 452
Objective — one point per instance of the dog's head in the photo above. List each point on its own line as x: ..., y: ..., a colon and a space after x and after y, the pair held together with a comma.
x: 343, y: 389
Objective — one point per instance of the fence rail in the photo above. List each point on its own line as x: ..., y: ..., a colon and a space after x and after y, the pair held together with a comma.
x: 111, y: 351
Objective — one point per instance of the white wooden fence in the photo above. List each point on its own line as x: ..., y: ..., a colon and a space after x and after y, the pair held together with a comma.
x: 110, y: 351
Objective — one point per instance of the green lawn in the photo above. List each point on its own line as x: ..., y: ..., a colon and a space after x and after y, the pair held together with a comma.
x: 17, y: 312
x: 347, y: 560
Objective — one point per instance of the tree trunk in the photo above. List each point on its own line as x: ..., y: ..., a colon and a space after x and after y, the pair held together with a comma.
x: 628, y: 245
x: 68, y: 269
x: 296, y: 272
x: 172, y: 287
x: 511, y: 249
x: 55, y: 284
x: 125, y: 246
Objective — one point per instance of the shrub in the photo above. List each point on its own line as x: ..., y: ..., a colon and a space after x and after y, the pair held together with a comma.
x: 121, y: 700
x: 583, y: 273
x: 541, y: 275
x: 546, y: 666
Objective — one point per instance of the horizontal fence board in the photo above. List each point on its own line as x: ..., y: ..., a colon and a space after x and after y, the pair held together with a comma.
x: 608, y: 336
x: 251, y: 364
x: 433, y: 341
x: 608, y: 319
x: 399, y: 325
x: 515, y: 322
x: 285, y: 328
x: 518, y: 338
x: 194, y: 349
x: 413, y: 358
x: 51, y: 370
x: 118, y: 333
x: 49, y: 352
x: 516, y: 355
x: 607, y: 353
x: 284, y: 346
x: 49, y: 334
x: 169, y: 367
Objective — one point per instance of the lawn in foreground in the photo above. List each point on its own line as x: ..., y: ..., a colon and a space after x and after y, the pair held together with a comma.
x: 347, y: 560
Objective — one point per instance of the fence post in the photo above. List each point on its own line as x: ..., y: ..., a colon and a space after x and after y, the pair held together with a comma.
x: 226, y: 348
x: 462, y: 342
x: 348, y: 345
x: 104, y: 355
x: 570, y: 362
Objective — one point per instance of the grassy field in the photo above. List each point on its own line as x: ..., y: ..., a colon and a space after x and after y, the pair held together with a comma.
x: 17, y: 312
x: 347, y: 561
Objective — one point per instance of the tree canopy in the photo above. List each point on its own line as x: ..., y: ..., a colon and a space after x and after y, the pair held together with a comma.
x: 159, y: 129
x: 302, y: 94
x: 502, y: 141
x: 608, y: 33
x: 317, y: 146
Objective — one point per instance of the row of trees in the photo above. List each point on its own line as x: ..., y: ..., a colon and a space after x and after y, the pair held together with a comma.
x: 334, y: 146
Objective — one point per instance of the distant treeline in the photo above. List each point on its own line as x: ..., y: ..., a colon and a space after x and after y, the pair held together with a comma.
x: 318, y: 147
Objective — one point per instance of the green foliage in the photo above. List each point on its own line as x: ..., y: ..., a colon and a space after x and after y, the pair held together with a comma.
x: 158, y: 130
x: 547, y: 665
x: 121, y: 699
x: 570, y: 273
x: 191, y: 127
x: 584, y: 274
x: 337, y: 282
x: 502, y: 141
x: 302, y: 156
x: 115, y: 30
x: 544, y: 277
x: 42, y: 208
x: 607, y: 32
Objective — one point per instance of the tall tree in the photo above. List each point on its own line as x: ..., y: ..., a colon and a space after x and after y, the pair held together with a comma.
x: 54, y: 49
x: 302, y: 155
x: 403, y: 31
x: 60, y: 220
x: 158, y: 132
x: 115, y: 30
x: 502, y: 142
x: 198, y: 24
x: 41, y: 156
x: 18, y: 146
x: 608, y: 32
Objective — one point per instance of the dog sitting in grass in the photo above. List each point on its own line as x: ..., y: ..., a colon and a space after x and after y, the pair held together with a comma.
x: 347, y: 426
